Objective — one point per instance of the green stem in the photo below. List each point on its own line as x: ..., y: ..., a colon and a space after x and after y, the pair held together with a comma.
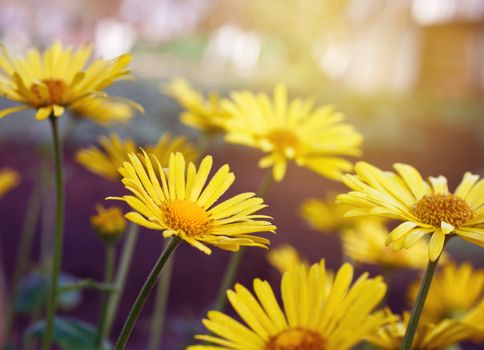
x: 121, y: 274
x: 145, y: 292
x: 419, y: 304
x: 87, y: 284
x: 159, y: 313
x: 235, y: 258
x: 58, y: 237
x: 108, y: 276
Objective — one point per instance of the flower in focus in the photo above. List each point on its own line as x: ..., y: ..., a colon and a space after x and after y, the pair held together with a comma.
x: 51, y: 81
x: 102, y: 111
x: 285, y: 258
x: 310, y: 317
x: 181, y: 202
x: 455, y: 291
x: 8, y: 180
x: 325, y: 215
x: 426, y: 208
x: 429, y: 336
x: 365, y: 243
x: 108, y: 223
x: 291, y: 130
x: 200, y: 113
x: 106, y: 160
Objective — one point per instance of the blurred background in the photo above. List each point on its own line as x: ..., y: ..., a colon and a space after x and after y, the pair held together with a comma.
x: 409, y: 74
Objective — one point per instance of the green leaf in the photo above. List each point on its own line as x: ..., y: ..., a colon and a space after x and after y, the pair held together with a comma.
x: 71, y: 299
x: 33, y: 291
x: 69, y: 334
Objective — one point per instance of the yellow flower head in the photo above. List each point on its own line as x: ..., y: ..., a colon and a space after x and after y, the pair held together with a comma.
x: 102, y: 111
x: 454, y: 292
x: 310, y: 317
x: 429, y: 336
x: 180, y: 203
x: 424, y: 207
x: 53, y: 80
x: 200, y: 113
x: 365, y: 243
x: 8, y: 180
x: 285, y: 258
x: 291, y: 130
x: 106, y: 161
x: 325, y: 215
x: 108, y: 223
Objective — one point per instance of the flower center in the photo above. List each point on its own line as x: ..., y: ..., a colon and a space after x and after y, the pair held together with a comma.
x: 186, y: 216
x: 436, y: 208
x: 296, y: 339
x: 56, y: 89
x: 283, y: 138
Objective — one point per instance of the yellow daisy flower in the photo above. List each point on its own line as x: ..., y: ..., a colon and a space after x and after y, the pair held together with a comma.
x: 365, y: 243
x: 106, y: 160
x: 310, y: 318
x: 425, y: 207
x: 200, y: 113
x: 180, y: 203
x: 51, y: 81
x: 8, y: 180
x: 108, y: 223
x: 325, y: 215
x: 429, y: 336
x: 102, y: 111
x: 455, y: 291
x: 291, y: 130
x: 284, y: 258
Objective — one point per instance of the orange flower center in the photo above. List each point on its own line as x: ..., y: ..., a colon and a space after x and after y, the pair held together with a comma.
x: 436, y: 208
x: 55, y: 91
x: 296, y: 339
x: 283, y: 138
x: 187, y: 217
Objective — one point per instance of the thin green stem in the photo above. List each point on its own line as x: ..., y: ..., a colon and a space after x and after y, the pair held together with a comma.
x: 159, y: 313
x: 108, y: 276
x: 236, y: 258
x: 145, y: 292
x: 419, y: 304
x: 228, y: 280
x: 58, y: 237
x: 88, y: 284
x: 121, y: 274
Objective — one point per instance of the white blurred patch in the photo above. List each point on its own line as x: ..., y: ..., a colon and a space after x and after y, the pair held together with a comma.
x: 113, y: 38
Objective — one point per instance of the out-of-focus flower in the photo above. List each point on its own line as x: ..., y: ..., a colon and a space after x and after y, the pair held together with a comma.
x: 365, y: 243
x: 8, y: 179
x: 426, y: 208
x: 285, y: 258
x: 168, y: 144
x: 325, y: 215
x: 200, y: 113
x: 310, y: 318
x: 291, y: 130
x: 102, y: 111
x: 55, y: 79
x: 109, y: 223
x: 454, y: 292
x: 429, y: 336
x: 181, y: 202
x: 106, y: 160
